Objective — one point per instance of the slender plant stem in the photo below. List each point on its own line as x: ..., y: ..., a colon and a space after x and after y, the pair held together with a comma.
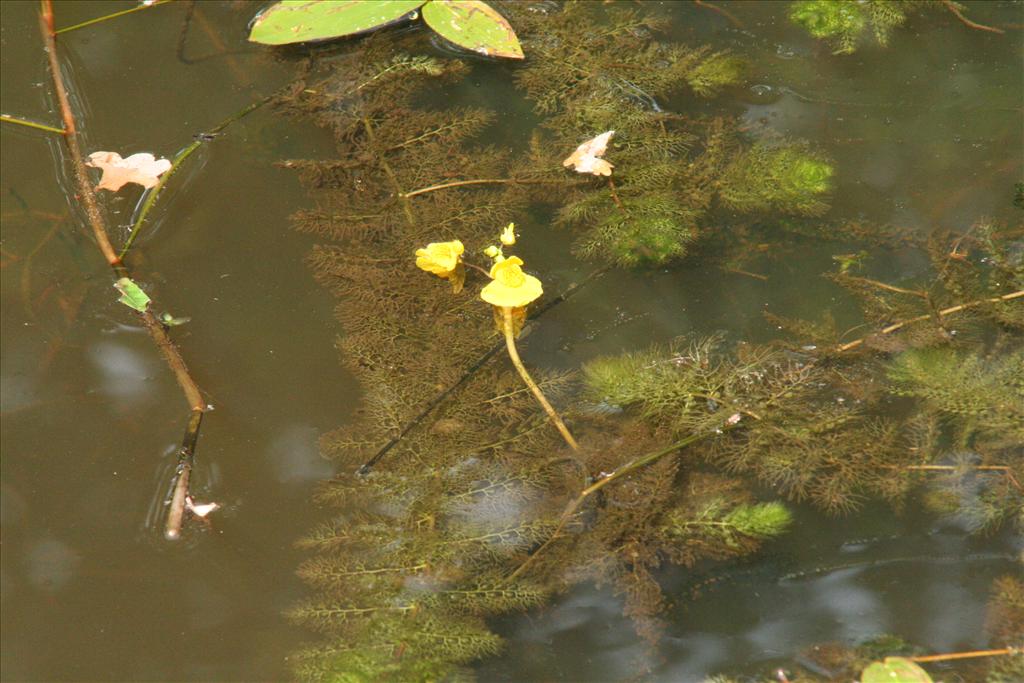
x: 480, y: 181
x: 570, y: 291
x: 7, y: 118
x: 615, y: 195
x: 513, y: 353
x: 929, y: 316
x: 724, y: 12
x: 1006, y: 470
x: 179, y: 158
x: 951, y: 6
x: 966, y: 655
x: 110, y: 16
x: 87, y: 196
x: 372, y: 137
x: 887, y: 287
x: 575, y: 503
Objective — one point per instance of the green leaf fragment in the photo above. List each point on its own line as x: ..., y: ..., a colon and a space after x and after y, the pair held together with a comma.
x: 473, y: 25
x: 132, y: 295
x: 895, y: 670
x: 297, y: 21
x: 170, y: 321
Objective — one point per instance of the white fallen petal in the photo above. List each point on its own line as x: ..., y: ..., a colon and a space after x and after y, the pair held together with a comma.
x: 200, y: 510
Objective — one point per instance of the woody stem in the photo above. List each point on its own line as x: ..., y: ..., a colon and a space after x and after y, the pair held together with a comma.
x: 510, y: 343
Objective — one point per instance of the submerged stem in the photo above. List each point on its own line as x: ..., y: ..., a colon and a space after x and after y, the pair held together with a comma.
x: 929, y: 316
x: 479, y: 181
x: 7, y: 118
x: 114, y: 15
x: 177, y: 161
x: 622, y: 471
x: 510, y: 344
x: 86, y: 194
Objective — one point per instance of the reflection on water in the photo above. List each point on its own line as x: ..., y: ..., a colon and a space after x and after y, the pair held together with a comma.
x: 924, y: 133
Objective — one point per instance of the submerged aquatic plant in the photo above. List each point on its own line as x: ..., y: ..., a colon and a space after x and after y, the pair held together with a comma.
x: 845, y: 24
x: 788, y: 178
x: 456, y: 499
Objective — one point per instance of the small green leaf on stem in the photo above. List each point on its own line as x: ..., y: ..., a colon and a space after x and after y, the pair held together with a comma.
x: 169, y: 320
x: 132, y: 295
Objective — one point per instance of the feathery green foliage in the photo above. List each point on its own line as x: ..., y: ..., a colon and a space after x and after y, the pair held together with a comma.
x: 471, y: 481
x: 787, y: 178
x: 845, y: 24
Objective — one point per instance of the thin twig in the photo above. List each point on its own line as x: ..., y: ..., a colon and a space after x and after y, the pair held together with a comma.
x: 510, y: 343
x: 181, y: 156
x: 930, y: 316
x: 111, y: 16
x: 86, y: 195
x: 951, y: 6
x: 7, y: 118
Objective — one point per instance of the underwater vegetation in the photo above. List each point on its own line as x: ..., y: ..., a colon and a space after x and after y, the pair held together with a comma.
x: 457, y: 498
x: 847, y: 24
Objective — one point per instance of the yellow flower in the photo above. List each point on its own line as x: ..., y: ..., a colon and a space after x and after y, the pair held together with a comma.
x: 508, y: 235
x: 491, y: 251
x: 440, y: 258
x: 510, y: 286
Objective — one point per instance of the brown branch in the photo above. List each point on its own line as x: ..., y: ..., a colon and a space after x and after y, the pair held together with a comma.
x: 930, y: 316
x: 87, y: 196
x: 951, y: 6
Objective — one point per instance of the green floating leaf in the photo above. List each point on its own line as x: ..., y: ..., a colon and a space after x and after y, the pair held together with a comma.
x: 473, y: 25
x: 894, y: 670
x: 132, y: 295
x: 296, y: 21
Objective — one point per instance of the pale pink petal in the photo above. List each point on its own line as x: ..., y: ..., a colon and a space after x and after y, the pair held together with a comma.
x: 142, y: 168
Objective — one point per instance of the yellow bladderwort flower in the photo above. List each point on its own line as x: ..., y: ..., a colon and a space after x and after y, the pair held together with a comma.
x: 491, y: 251
x: 440, y: 258
x: 508, y: 235
x: 510, y: 286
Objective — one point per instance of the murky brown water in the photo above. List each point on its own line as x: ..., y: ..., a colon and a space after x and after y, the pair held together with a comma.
x: 926, y: 133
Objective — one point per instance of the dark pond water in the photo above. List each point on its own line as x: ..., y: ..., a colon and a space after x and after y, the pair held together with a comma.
x: 926, y: 133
